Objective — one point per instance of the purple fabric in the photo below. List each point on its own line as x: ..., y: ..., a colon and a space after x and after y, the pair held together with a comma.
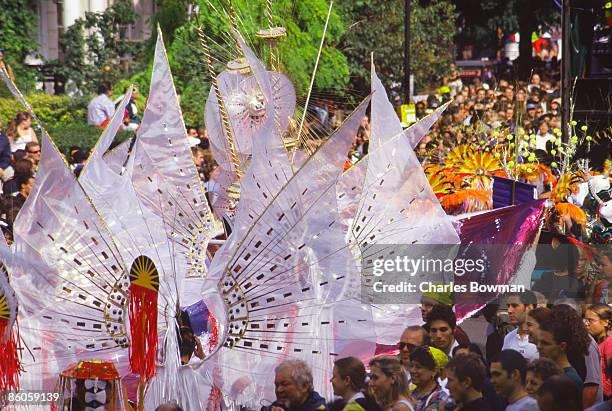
x: 513, y: 227
x: 503, y: 196
x: 198, y: 316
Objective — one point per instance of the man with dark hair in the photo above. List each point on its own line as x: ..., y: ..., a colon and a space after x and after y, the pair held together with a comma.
x: 466, y: 375
x: 12, y: 204
x: 101, y: 108
x: 518, y: 305
x: 508, y: 370
x: 559, y: 393
x: 33, y: 152
x: 553, y: 343
x: 441, y: 324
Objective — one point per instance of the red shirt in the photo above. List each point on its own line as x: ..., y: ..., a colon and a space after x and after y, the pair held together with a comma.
x: 605, y: 348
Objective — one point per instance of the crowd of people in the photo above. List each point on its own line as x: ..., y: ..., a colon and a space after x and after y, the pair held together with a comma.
x: 555, y: 358
x: 542, y: 351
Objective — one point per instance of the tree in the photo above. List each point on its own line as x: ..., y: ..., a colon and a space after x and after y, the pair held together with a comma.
x: 297, y: 52
x: 96, y: 47
x: 18, y: 38
x: 378, y: 26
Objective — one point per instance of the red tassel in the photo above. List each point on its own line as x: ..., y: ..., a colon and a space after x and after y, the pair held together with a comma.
x: 214, y: 335
x: 143, y: 330
x: 9, y: 360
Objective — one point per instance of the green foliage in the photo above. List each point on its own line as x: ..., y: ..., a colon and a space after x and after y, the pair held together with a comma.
x: 18, y: 38
x: 52, y: 110
x: 102, y: 55
x: 431, y: 46
x: 297, y: 52
x: 65, y: 118
x: 79, y: 134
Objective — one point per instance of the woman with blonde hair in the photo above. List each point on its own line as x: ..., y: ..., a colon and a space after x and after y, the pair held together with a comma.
x: 389, y: 384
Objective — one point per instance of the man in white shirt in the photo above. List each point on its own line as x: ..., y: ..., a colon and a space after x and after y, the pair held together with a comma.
x: 101, y: 108
x: 518, y: 305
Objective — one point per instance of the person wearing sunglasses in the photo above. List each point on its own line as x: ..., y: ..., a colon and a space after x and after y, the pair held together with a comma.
x: 413, y: 337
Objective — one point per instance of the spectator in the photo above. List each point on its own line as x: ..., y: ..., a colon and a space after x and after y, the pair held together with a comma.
x: 508, y: 372
x: 553, y: 343
x: 430, y: 300
x: 389, y: 384
x: 598, y: 319
x: 192, y: 137
x: 426, y: 367
x: 5, y: 154
x: 349, y: 382
x: 441, y: 324
x: 12, y: 204
x: 466, y: 375
x: 543, y: 136
x: 294, y: 389
x: 23, y: 168
x: 413, y: 337
x: 132, y: 119
x: 559, y: 393
x: 33, y: 152
x: 198, y: 156
x: 20, y: 131
x: 607, y: 404
x: 203, y: 136
x: 533, y: 320
x: 518, y: 306
x: 539, y: 371
x: 101, y: 108
x: 583, y: 353
x: 463, y: 349
x: 80, y: 159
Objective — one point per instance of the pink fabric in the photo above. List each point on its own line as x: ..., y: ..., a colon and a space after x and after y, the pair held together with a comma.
x: 605, y: 348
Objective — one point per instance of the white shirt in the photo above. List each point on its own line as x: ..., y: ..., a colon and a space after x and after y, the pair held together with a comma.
x: 453, y: 345
x: 21, y: 141
x: 99, y: 109
x: 513, y: 341
x: 541, y: 140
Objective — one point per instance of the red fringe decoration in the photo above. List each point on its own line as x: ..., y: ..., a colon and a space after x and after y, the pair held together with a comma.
x: 214, y: 337
x: 9, y: 360
x: 143, y: 330
x: 214, y: 399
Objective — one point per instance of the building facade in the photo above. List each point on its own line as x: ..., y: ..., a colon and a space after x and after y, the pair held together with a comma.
x: 54, y: 16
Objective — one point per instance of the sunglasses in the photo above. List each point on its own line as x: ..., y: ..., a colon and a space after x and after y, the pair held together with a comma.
x: 34, y: 152
x: 411, y: 347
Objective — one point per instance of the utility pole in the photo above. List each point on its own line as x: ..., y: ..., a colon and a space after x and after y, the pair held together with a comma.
x: 566, y: 66
x: 407, y: 11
